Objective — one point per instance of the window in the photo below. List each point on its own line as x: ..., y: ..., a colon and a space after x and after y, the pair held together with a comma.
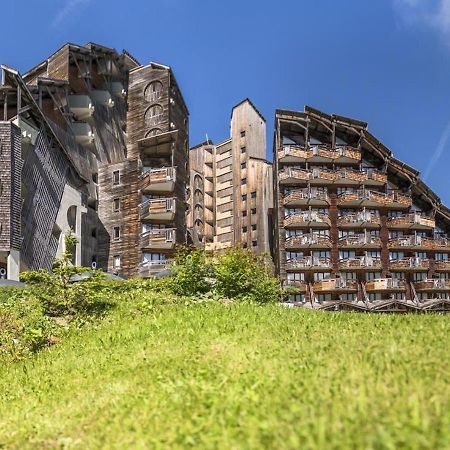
x: 116, y: 177
x: 153, y: 91
x: 243, y: 149
x: 244, y: 197
x: 421, y: 255
x: 441, y: 256
x: 373, y: 276
x: 253, y: 211
x: 319, y: 276
x: 296, y: 298
x: 116, y: 233
x: 347, y: 254
x: 254, y: 243
x: 244, y: 229
x: 254, y: 194
x: 347, y: 297
x: 94, y: 232
x: 419, y: 276
x: 396, y: 255
x: 243, y: 133
x: 95, y: 178
x: 254, y: 226
x: 154, y: 115
x: 296, y: 276
x: 244, y: 181
x: 244, y: 213
x: 116, y: 262
x: 116, y: 204
x: 243, y: 165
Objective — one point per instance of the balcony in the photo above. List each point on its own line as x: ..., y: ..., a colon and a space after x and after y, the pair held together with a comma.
x: 151, y: 268
x: 298, y: 284
x: 118, y: 89
x: 81, y: 106
x: 362, y: 219
x: 442, y: 266
x: 318, y: 154
x: 163, y: 239
x: 335, y: 285
x: 313, y: 240
x: 365, y: 241
x: 309, y: 263
x: 412, y: 243
x: 385, y: 284
x: 360, y: 263
x: 306, y: 197
x: 83, y: 133
x: 158, y: 180
x: 432, y: 285
x: 307, y: 219
x: 323, y: 177
x: 442, y: 244
x: 161, y: 210
x: 102, y: 97
x: 159, y: 145
x: 413, y: 221
x: 410, y: 264
x: 374, y: 199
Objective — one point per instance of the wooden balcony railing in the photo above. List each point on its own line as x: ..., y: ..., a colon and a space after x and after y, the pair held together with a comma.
x: 432, y: 285
x: 384, y: 284
x: 157, y: 176
x: 411, y: 263
x: 360, y: 240
x: 333, y: 176
x: 335, y: 284
x: 305, y: 153
x: 309, y: 241
x: 157, y: 238
x: 443, y: 266
x: 412, y: 242
x: 150, y: 268
x: 307, y: 219
x: 379, y: 199
x: 409, y: 220
x: 305, y: 195
x: 359, y: 218
x: 299, y: 284
x: 157, y: 207
x: 360, y: 262
x: 308, y: 263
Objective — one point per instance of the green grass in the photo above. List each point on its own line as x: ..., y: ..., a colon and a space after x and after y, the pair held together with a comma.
x: 235, y: 377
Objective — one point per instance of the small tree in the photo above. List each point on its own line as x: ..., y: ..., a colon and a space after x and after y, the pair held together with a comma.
x: 192, y: 272
x: 242, y: 275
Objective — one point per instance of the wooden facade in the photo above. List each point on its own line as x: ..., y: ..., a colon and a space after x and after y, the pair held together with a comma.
x: 356, y: 229
x: 82, y: 124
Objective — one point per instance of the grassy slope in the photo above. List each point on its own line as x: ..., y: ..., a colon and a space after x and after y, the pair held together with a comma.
x: 211, y: 376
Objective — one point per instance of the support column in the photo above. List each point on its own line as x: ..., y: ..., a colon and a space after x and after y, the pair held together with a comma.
x: 13, y: 265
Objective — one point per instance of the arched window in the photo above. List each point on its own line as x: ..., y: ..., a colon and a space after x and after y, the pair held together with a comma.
x: 154, y: 115
x: 153, y: 91
x: 153, y: 132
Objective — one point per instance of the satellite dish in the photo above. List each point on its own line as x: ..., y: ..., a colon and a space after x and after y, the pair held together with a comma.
x: 94, y: 265
x: 2, y: 273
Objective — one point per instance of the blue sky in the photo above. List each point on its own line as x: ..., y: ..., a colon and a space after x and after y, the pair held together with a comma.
x: 383, y: 61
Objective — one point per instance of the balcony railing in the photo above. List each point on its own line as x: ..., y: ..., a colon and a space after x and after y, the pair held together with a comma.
x: 163, y: 238
x: 299, y: 284
x: 325, y: 176
x: 307, y: 219
x: 360, y: 219
x: 413, y: 242
x: 306, y: 197
x: 158, y: 209
x: 308, y: 263
x: 360, y: 240
x: 411, y: 263
x: 364, y: 197
x: 308, y: 241
x: 151, y: 268
x: 360, y: 262
x: 385, y: 284
x: 442, y: 266
x: 319, y: 153
x: 432, y: 285
x: 412, y: 220
x: 158, y: 180
x: 335, y: 284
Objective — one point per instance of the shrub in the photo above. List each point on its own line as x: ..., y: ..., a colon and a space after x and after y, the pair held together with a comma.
x: 242, y: 275
x: 192, y: 272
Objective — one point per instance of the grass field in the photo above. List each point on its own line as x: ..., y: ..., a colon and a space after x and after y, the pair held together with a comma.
x: 235, y: 377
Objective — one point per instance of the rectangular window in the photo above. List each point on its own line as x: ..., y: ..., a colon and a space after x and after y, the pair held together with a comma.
x: 244, y: 197
x: 373, y: 276
x: 254, y: 227
x: 243, y: 149
x: 396, y: 255
x: 117, y: 262
x: 244, y: 229
x: 244, y: 213
x: 319, y: 276
x: 243, y: 133
x: 244, y: 181
x: 116, y: 177
x: 116, y: 204
x: 254, y: 194
x: 253, y: 211
x: 243, y: 165
x: 116, y: 233
x: 254, y: 243
x: 421, y: 255
x: 419, y: 276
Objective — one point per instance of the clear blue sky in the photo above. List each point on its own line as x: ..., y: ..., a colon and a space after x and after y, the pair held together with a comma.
x: 383, y: 61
